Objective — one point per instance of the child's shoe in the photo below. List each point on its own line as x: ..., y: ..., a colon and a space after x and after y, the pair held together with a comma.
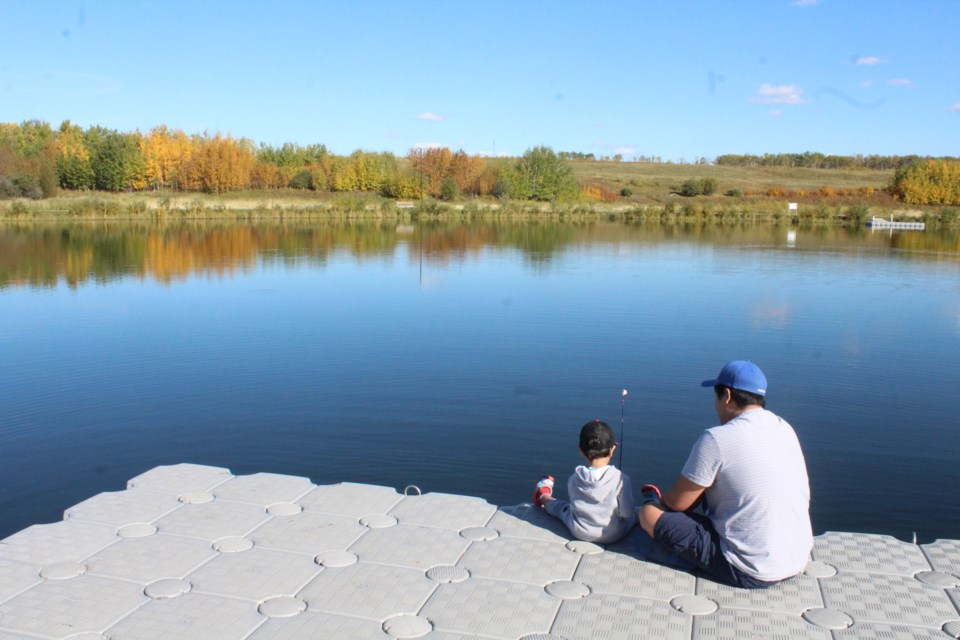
x: 651, y: 494
x: 544, y: 489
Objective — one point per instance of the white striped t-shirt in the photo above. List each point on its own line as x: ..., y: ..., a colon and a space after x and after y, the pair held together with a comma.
x: 758, y: 493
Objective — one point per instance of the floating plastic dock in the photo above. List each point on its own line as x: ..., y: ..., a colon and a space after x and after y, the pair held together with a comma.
x: 880, y: 223
x: 194, y: 552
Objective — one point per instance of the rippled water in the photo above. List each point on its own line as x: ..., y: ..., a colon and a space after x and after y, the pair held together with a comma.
x: 464, y: 358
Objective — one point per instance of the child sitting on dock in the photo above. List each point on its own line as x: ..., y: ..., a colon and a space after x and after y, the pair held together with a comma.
x: 601, y: 504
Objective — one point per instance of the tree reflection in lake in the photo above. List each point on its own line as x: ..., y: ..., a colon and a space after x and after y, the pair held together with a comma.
x: 45, y: 254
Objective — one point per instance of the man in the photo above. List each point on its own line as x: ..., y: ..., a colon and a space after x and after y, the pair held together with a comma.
x: 751, y: 476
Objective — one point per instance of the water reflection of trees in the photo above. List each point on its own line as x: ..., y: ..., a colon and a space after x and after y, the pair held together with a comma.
x: 43, y: 255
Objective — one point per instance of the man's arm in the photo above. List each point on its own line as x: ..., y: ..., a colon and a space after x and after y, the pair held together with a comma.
x: 683, y: 495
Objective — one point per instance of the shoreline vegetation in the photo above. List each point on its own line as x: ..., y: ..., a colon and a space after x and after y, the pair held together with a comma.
x: 279, y: 205
x: 97, y: 173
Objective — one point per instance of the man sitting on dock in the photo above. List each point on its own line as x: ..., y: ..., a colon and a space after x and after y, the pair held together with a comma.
x: 752, y: 478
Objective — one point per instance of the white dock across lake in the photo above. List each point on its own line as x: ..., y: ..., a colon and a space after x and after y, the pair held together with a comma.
x: 880, y: 223
x: 190, y: 552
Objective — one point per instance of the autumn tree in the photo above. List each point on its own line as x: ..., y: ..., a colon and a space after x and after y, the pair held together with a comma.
x: 360, y: 171
x: 928, y: 182
x: 439, y: 166
x: 74, y: 170
x: 217, y: 164
x: 165, y: 152
x: 28, y: 163
x: 292, y: 165
x: 465, y: 171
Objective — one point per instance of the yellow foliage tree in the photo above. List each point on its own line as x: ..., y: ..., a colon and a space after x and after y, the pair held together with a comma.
x: 73, y: 159
x: 929, y: 182
x: 165, y: 152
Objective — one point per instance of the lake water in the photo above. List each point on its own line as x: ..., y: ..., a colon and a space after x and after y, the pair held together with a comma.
x: 464, y: 358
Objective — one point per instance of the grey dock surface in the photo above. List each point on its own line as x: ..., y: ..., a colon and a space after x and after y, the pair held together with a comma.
x: 190, y: 551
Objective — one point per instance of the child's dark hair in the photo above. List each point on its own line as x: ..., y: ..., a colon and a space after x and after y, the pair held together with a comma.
x: 596, y: 440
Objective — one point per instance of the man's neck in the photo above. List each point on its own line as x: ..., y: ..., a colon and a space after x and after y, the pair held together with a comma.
x: 739, y: 412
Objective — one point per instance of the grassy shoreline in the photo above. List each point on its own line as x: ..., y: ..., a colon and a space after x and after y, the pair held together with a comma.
x: 632, y: 191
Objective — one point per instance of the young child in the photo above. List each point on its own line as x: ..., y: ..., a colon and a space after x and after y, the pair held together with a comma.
x: 601, y: 505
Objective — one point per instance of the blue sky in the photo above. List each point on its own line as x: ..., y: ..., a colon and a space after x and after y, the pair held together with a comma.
x: 676, y: 79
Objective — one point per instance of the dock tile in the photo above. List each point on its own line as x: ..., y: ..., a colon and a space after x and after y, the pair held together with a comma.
x: 617, y: 618
x: 263, y: 488
x: 411, y: 545
x: 213, y: 520
x: 520, y: 559
x: 492, y: 608
x: 453, y: 635
x: 350, y: 499
x: 117, y: 508
x: 256, y: 574
x: 887, y: 599
x: 59, y: 608
x: 730, y: 624
x: 64, y: 541
x: 952, y: 628
x: 649, y: 550
x: 192, y: 616
x: 944, y: 555
x: 16, y: 577
x: 793, y: 596
x: 368, y: 590
x: 309, y: 532
x: 443, y: 510
x: 527, y: 521
x: 178, y: 479
x: 6, y: 634
x: 319, y: 625
x: 888, y: 632
x: 872, y: 553
x: 618, y: 574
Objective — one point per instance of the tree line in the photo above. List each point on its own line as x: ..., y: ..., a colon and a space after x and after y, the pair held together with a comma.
x: 814, y: 160
x: 36, y: 160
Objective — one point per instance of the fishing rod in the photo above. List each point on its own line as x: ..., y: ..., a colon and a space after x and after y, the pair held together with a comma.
x: 623, y: 398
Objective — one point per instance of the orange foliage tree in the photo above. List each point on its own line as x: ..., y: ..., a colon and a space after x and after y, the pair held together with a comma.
x: 217, y: 164
x: 439, y: 164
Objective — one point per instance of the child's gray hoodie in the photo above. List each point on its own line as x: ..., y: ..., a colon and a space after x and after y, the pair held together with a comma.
x: 601, y: 505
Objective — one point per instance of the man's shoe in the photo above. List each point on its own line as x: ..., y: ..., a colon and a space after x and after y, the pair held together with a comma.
x: 651, y: 494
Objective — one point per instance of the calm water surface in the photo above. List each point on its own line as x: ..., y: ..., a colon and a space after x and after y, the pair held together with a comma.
x: 464, y: 359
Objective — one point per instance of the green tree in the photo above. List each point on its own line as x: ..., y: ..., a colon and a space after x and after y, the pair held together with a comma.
x: 449, y: 190
x: 691, y: 188
x: 27, y: 139
x: 115, y: 158
x: 542, y: 175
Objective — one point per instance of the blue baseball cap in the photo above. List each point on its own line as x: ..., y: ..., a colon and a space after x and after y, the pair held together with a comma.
x: 742, y: 375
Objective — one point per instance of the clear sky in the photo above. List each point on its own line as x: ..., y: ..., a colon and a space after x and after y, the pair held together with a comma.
x: 671, y: 78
